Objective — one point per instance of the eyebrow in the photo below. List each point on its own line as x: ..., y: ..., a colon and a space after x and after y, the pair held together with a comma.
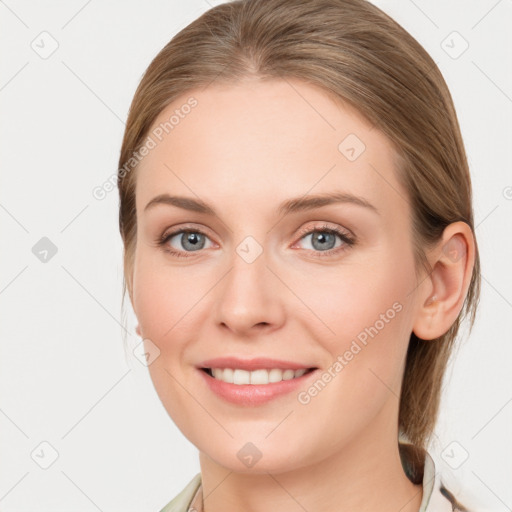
x: 289, y: 206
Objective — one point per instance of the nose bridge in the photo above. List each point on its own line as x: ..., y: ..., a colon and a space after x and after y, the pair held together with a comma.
x: 249, y: 295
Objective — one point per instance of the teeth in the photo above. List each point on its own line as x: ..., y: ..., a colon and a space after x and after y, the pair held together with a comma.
x: 240, y: 377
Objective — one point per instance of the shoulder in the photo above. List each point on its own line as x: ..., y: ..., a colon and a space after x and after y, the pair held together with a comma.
x: 181, y: 502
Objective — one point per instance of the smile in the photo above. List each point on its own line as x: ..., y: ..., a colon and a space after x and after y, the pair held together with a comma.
x: 260, y: 376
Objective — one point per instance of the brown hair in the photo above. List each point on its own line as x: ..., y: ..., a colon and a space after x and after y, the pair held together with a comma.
x: 359, y: 55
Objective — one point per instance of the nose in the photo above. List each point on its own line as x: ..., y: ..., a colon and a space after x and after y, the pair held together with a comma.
x: 250, y: 298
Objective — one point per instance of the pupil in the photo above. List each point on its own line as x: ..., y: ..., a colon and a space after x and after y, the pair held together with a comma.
x: 191, y: 238
x: 192, y: 241
x: 322, y: 238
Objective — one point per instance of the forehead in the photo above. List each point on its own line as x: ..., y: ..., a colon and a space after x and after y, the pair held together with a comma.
x: 259, y: 140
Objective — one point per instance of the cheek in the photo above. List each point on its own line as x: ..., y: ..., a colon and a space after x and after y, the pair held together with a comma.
x: 365, y: 326
x: 169, y: 300
x: 362, y: 310
x: 163, y: 305
x: 156, y: 298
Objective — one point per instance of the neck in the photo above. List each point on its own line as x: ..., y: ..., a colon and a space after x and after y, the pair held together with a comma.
x: 365, y: 474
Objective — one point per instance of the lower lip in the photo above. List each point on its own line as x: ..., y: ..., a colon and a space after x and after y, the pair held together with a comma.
x: 253, y: 394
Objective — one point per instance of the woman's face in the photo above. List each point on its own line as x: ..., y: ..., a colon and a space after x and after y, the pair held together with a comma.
x: 261, y: 276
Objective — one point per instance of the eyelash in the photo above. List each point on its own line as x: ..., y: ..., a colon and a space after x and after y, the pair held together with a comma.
x: 348, y: 241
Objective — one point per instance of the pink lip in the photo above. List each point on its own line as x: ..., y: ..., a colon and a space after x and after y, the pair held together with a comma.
x: 251, y: 364
x: 252, y: 394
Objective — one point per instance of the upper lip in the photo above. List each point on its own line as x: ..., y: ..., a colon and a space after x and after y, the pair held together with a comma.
x: 252, y: 364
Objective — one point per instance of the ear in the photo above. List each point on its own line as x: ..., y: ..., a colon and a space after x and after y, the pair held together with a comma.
x: 443, y: 292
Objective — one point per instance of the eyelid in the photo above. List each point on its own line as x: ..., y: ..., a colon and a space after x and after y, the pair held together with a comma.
x: 162, y: 242
x: 346, y: 236
x: 325, y: 227
x: 172, y: 231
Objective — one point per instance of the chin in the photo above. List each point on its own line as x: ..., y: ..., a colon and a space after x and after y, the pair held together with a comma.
x: 249, y: 459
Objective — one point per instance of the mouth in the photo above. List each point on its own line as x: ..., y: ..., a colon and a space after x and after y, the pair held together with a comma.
x: 260, y: 376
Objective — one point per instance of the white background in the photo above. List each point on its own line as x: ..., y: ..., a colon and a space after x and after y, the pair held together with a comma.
x: 65, y: 377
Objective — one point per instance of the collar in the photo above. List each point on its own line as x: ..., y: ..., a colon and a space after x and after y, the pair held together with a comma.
x: 420, y: 468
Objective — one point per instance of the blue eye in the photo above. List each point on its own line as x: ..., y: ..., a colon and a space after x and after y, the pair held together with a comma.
x: 191, y: 240
x: 322, y: 240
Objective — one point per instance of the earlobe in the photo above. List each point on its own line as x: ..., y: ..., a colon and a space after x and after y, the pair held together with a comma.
x: 444, y: 291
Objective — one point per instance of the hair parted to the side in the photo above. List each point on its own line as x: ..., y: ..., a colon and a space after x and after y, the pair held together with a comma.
x: 360, y: 56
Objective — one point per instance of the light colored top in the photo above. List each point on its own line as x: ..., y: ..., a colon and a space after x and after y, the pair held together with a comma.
x: 418, y: 466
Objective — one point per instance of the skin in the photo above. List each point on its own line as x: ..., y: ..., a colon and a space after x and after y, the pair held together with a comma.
x: 244, y: 149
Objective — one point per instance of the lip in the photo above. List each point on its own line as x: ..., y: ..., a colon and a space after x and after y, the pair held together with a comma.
x: 252, y: 364
x: 251, y: 395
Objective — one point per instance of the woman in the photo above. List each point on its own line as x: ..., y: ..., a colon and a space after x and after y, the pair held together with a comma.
x: 295, y: 208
